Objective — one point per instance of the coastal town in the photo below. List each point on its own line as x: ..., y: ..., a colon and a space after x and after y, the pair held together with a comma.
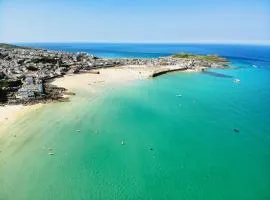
x: 26, y: 73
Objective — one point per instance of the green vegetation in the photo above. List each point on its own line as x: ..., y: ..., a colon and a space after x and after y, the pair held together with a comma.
x: 9, y: 83
x: 210, y: 58
x: 6, y: 86
x: 3, y: 96
x: 11, y: 46
x: 32, y: 68
x: 44, y: 60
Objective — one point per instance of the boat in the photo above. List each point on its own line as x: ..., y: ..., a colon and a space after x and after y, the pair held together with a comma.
x: 236, y: 130
x: 255, y: 66
x: 179, y: 95
x: 236, y: 80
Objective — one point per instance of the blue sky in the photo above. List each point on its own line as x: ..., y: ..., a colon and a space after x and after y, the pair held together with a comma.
x: 225, y: 21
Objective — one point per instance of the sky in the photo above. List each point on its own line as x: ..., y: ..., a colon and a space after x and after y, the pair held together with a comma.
x: 169, y: 21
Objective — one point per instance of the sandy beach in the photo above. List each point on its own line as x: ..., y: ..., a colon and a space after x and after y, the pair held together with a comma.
x: 10, y: 113
x: 91, y: 80
x: 106, y: 76
x: 110, y: 76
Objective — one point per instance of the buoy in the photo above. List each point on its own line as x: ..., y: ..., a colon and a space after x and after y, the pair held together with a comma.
x: 122, y: 142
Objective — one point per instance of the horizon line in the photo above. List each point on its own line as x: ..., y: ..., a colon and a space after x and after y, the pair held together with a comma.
x: 257, y: 42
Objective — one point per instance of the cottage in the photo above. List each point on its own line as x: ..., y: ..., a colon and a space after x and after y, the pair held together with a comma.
x: 29, y: 80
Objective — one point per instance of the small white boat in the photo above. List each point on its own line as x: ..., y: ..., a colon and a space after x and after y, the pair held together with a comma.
x: 179, y: 95
x: 255, y: 66
x: 122, y: 142
x: 236, y: 80
x: 78, y: 130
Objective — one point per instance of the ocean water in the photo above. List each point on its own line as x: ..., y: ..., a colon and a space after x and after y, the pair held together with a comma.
x: 174, y: 147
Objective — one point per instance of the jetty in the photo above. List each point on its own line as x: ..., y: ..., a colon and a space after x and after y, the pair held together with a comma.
x: 165, y: 71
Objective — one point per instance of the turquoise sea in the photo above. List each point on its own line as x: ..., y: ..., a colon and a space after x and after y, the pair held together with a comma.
x: 211, y: 143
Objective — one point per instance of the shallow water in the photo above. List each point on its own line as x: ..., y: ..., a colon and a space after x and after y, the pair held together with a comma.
x: 175, y: 147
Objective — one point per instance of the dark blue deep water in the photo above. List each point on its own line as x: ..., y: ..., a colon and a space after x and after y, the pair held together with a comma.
x: 113, y: 50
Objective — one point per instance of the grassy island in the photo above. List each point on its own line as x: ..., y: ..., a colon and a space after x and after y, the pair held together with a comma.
x: 209, y: 58
x: 11, y: 46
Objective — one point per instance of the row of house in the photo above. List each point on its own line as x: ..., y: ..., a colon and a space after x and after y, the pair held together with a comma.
x: 30, y: 88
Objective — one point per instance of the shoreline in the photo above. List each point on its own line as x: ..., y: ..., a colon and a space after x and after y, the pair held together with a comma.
x: 26, y: 74
x: 114, y: 75
x: 11, y: 113
x: 88, y: 81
